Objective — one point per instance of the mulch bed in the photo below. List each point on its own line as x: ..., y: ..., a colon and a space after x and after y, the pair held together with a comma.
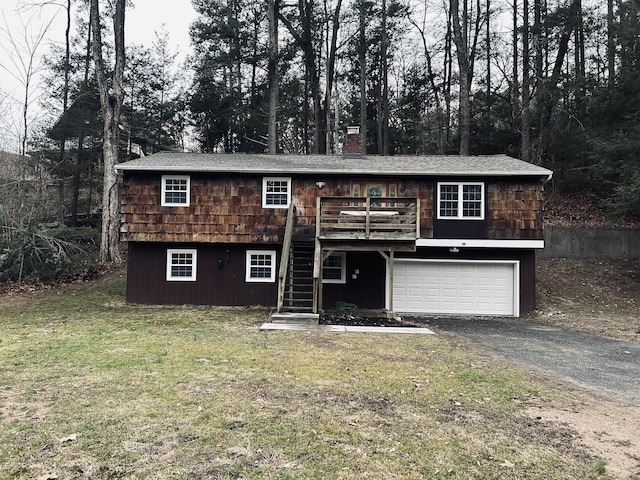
x: 362, y: 319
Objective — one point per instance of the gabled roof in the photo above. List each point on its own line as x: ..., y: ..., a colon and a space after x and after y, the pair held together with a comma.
x: 436, y: 165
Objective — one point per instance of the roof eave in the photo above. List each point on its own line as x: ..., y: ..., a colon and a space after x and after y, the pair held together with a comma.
x: 547, y: 174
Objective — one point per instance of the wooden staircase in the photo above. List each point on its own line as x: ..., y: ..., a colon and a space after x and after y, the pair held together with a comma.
x: 298, y: 273
x: 299, y: 285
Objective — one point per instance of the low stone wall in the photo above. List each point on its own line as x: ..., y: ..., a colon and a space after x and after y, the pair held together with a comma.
x: 568, y: 242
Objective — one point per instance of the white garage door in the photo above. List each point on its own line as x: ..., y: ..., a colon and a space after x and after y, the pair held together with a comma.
x: 470, y: 288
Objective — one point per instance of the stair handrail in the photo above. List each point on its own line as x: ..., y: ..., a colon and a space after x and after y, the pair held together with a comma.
x: 317, y: 273
x: 284, y: 259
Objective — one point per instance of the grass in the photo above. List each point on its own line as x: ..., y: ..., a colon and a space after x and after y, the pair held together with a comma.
x: 93, y: 388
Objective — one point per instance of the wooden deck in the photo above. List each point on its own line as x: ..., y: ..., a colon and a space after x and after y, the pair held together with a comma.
x: 372, y: 218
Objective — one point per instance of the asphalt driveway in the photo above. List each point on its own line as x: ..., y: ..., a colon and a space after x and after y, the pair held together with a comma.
x: 610, y: 367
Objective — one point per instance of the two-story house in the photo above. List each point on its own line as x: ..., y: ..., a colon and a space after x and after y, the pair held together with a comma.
x: 410, y: 234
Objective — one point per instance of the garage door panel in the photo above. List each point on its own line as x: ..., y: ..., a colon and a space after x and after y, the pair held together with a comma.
x: 480, y: 288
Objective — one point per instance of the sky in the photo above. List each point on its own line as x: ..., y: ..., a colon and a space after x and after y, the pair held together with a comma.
x: 141, y: 22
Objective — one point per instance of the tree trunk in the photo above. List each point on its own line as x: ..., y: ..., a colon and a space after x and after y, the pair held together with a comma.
x: 363, y: 78
x: 448, y: 77
x: 488, y: 77
x: 525, y: 146
x: 434, y: 88
x: 304, y: 40
x: 462, y: 54
x: 384, y: 120
x: 65, y: 100
x: 580, y: 69
x: 273, y: 76
x: 515, y: 85
x: 110, y: 244
x: 611, y: 46
x: 330, y: 73
x: 550, y: 88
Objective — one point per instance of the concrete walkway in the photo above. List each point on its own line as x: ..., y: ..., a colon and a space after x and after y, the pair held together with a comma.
x: 343, y: 328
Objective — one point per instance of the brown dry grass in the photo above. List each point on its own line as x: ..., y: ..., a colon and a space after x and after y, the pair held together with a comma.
x: 600, y: 297
x: 93, y: 388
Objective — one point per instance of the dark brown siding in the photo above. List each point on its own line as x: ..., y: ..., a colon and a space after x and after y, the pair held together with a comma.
x: 220, y: 276
x: 526, y: 258
x: 365, y: 291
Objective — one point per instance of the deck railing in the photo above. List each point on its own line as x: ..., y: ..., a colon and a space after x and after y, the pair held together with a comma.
x: 370, y: 218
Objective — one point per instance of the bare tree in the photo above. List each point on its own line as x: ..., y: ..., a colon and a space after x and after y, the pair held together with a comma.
x: 304, y: 34
x: 466, y: 31
x: 20, y: 46
x: 111, y: 103
x: 331, y: 66
x: 431, y: 77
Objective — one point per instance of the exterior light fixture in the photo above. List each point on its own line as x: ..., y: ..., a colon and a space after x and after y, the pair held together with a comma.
x: 320, y: 184
x: 454, y: 250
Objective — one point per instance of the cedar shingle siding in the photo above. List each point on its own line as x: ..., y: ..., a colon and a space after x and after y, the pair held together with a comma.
x: 228, y: 209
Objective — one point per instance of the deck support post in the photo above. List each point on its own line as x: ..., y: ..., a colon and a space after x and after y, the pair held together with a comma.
x: 389, y: 259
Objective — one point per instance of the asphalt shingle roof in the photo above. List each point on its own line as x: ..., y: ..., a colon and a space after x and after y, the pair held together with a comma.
x: 449, y: 165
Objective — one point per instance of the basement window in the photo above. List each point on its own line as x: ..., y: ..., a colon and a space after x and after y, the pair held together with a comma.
x: 276, y: 192
x: 181, y: 265
x: 261, y: 266
x: 334, y: 268
x: 461, y: 201
x: 175, y: 190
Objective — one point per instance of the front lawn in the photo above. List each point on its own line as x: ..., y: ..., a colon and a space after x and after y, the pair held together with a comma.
x: 93, y: 388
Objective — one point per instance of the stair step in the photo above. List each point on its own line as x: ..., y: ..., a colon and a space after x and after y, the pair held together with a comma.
x: 298, y: 295
x: 296, y: 317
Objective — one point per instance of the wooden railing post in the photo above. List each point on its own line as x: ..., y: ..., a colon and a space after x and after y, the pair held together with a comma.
x: 317, y: 277
x: 367, y: 225
x: 417, y: 217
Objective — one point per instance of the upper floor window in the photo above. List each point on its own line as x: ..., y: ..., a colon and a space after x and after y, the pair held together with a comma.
x: 261, y: 266
x: 276, y: 192
x: 461, y: 201
x: 175, y: 190
x: 181, y: 265
x: 334, y: 268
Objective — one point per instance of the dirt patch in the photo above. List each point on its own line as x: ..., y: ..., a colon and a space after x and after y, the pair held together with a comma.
x: 601, y: 297
x: 606, y: 429
x: 580, y: 209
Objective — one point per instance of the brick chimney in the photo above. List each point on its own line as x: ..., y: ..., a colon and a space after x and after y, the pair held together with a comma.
x: 353, y: 142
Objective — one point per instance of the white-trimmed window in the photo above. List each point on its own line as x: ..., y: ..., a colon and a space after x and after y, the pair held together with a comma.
x: 175, y: 190
x: 461, y: 201
x: 261, y: 266
x: 181, y: 265
x: 334, y: 268
x: 276, y: 192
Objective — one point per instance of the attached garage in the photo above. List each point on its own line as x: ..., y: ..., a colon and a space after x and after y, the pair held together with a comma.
x: 456, y: 287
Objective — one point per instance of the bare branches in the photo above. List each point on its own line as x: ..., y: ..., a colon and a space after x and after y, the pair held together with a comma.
x: 20, y: 44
